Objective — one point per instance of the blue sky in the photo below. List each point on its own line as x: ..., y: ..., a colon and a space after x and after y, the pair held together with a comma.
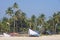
x: 30, y: 7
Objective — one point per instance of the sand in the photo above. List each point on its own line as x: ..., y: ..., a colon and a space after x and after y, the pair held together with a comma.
x: 50, y: 37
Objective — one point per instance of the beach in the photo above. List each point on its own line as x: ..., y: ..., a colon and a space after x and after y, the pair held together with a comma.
x: 49, y: 37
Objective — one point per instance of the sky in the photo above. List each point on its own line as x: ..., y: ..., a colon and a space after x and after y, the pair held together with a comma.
x: 30, y: 7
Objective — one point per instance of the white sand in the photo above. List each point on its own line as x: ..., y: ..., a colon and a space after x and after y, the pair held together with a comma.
x: 51, y: 37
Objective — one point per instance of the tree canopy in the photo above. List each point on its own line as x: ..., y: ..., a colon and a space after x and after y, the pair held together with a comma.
x: 18, y: 22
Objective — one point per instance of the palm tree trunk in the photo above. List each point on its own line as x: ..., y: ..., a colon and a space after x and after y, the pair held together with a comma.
x: 30, y: 24
x: 14, y: 25
x: 54, y: 28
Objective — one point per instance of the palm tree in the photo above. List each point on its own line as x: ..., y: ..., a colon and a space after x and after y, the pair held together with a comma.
x: 33, y: 22
x: 49, y: 24
x: 0, y: 26
x: 56, y: 19
x: 41, y: 21
x: 4, y: 24
x: 23, y: 21
x: 15, y: 6
x: 9, y: 11
x: 21, y: 16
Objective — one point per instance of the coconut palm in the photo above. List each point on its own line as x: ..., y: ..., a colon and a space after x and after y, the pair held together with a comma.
x: 33, y: 22
x: 1, y: 27
x: 4, y: 24
x: 41, y: 22
x: 41, y: 19
x: 15, y: 5
x: 56, y: 19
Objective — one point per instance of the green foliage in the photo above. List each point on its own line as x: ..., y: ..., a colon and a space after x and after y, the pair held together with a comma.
x: 18, y: 22
x: 15, y: 5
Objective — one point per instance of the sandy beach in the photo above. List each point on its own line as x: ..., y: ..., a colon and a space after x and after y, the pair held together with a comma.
x: 49, y: 37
